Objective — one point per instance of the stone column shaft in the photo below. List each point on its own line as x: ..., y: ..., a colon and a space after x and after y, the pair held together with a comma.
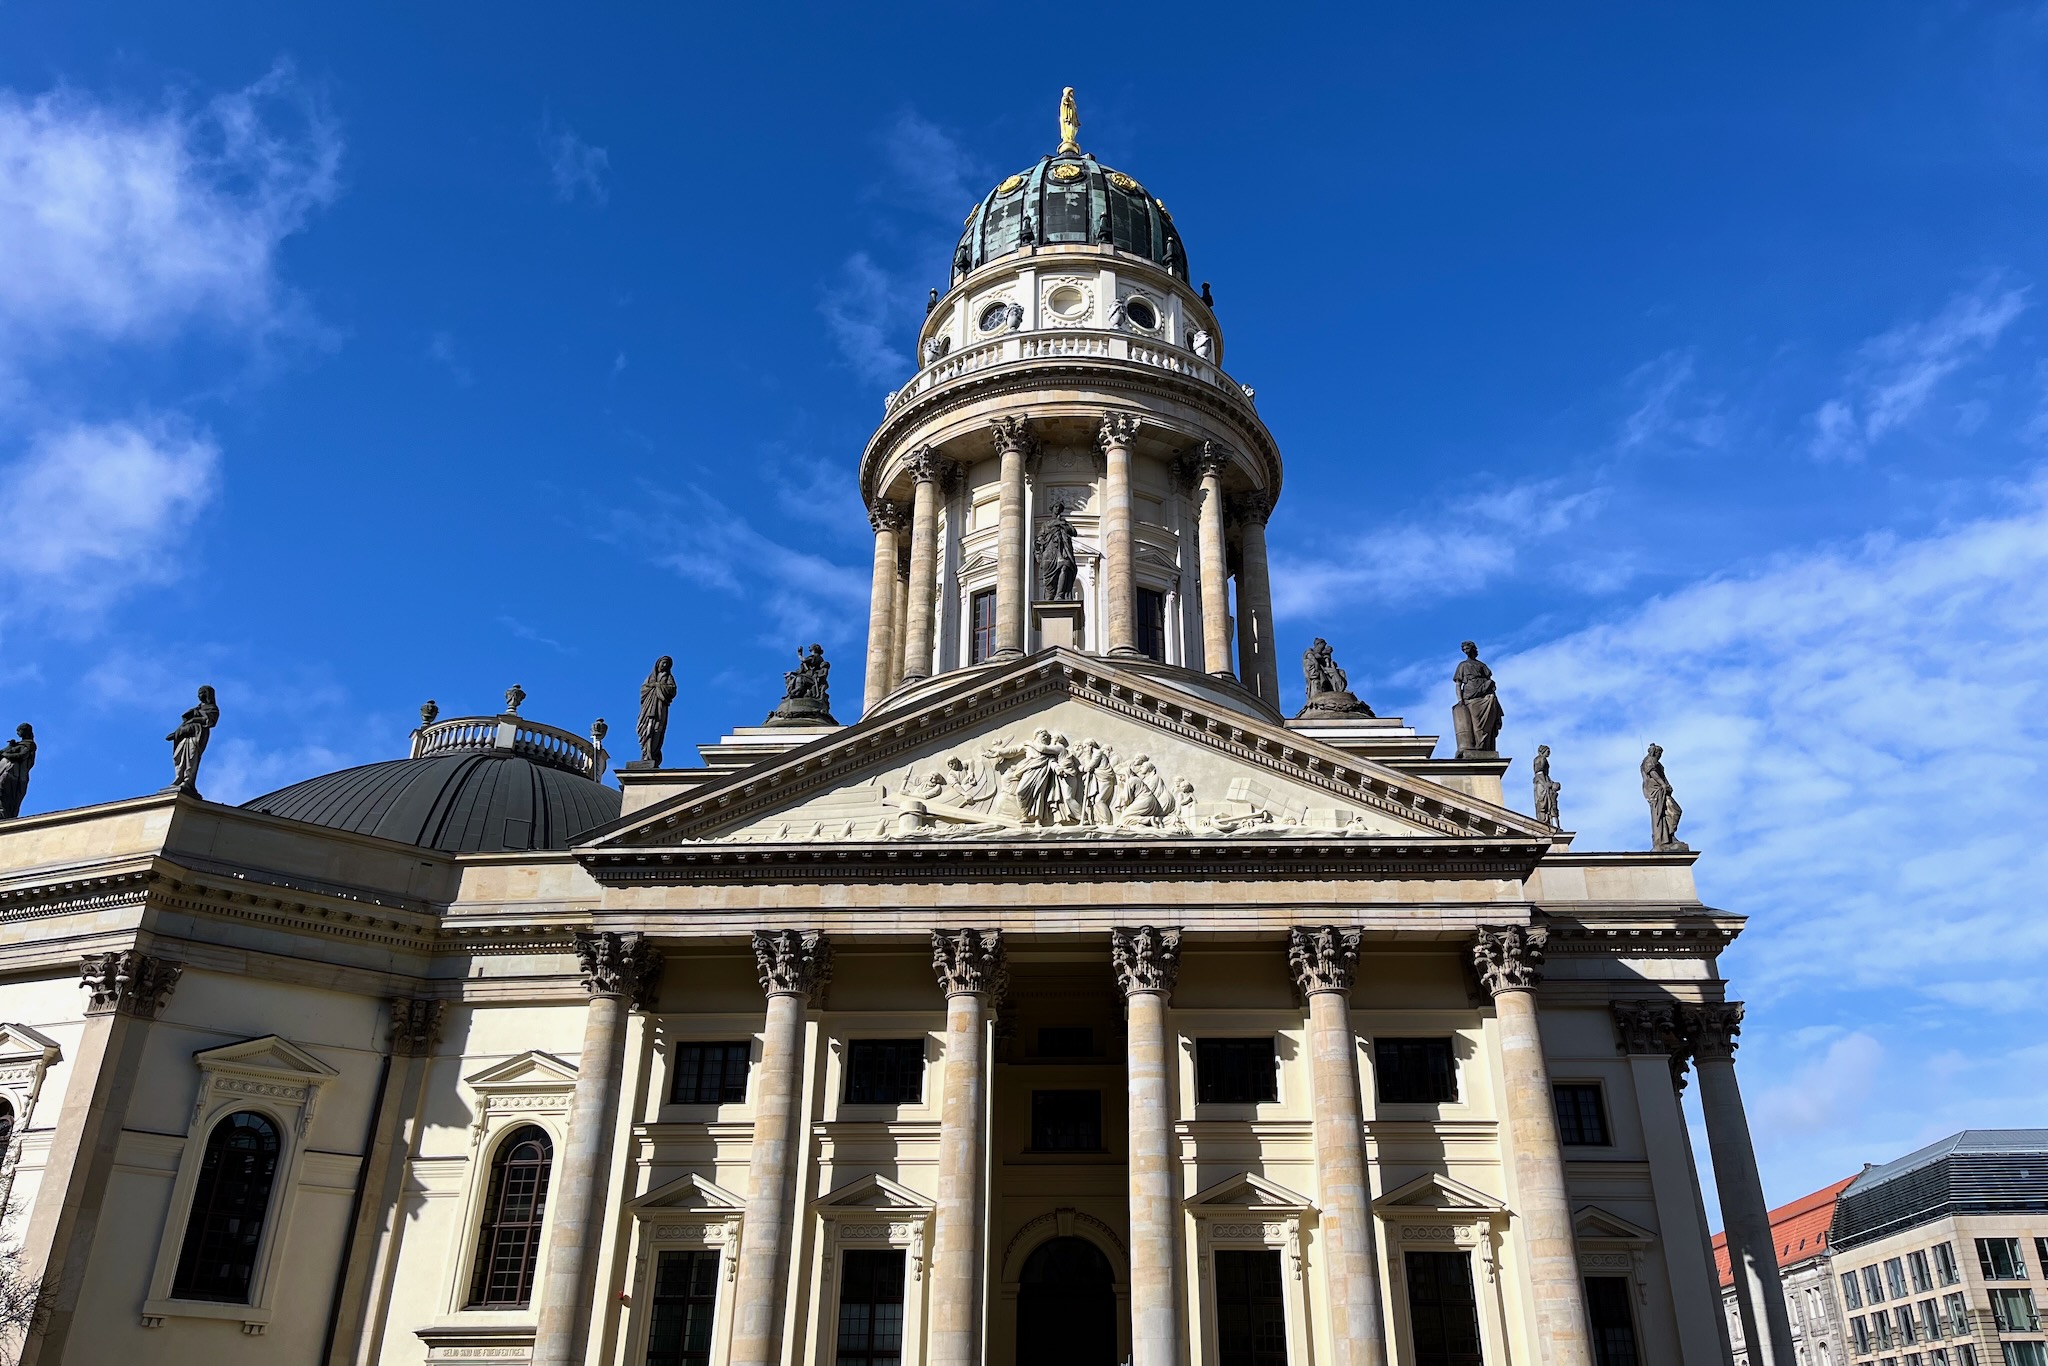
x: 899, y: 623
x: 1508, y: 958
x: 1013, y: 444
x: 1215, y: 567
x: 969, y: 964
x: 924, y: 567
x: 1116, y: 434
x: 792, y: 966
x: 1258, y: 662
x: 1324, y: 962
x: 1147, y: 962
x: 617, y: 968
x: 882, y: 603
x: 1752, y: 1255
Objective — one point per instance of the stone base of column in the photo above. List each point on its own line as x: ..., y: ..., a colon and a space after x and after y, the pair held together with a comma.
x: 1003, y: 656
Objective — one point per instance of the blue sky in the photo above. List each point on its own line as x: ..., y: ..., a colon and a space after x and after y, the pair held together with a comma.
x: 1692, y: 362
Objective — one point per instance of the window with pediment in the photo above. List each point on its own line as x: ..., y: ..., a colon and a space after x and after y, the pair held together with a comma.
x: 515, y: 1209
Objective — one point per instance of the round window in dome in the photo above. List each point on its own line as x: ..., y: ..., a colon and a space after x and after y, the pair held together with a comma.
x: 993, y: 317
x: 1067, y: 301
x: 1141, y: 313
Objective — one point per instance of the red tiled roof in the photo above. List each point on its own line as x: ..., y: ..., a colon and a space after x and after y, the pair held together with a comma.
x: 1799, y: 1229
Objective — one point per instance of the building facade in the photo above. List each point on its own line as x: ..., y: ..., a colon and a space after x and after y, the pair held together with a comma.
x: 1071, y: 1003
x: 1799, y: 1232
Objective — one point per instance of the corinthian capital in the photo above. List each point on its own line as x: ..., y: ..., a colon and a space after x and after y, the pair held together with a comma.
x: 885, y: 516
x: 1710, y: 1029
x: 126, y: 982
x: 1118, y: 429
x: 1324, y: 958
x: 619, y: 965
x: 1647, y: 1028
x: 1211, y: 459
x: 415, y: 1025
x: 1252, y: 508
x: 970, y: 962
x: 1509, y: 957
x: 1146, y: 959
x: 927, y: 466
x: 793, y: 962
x: 1012, y: 434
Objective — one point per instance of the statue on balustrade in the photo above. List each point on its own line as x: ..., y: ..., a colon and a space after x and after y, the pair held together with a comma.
x: 17, y: 757
x: 1056, y: 564
x: 656, y: 692
x: 1546, y: 788
x: 1329, y: 688
x: 1665, y: 813
x: 806, y: 692
x: 188, y: 741
x: 514, y: 695
x: 1476, y: 714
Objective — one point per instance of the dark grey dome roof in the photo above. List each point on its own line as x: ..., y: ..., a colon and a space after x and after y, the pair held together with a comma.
x: 463, y: 803
x: 1069, y: 197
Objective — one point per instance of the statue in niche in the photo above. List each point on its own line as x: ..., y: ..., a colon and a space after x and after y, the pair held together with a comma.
x: 1055, y: 551
x: 188, y: 741
x: 17, y: 757
x: 1665, y: 813
x: 1476, y: 714
x: 1546, y: 789
x: 806, y: 692
x: 1329, y: 688
x: 657, y: 690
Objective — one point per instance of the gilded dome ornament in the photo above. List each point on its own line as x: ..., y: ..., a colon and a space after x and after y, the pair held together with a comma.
x: 1067, y: 172
x: 1125, y: 183
x: 1014, y: 183
x: 1160, y: 204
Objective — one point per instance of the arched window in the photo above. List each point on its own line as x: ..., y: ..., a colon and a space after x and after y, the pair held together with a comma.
x: 228, y: 1208
x: 6, y: 1125
x: 508, y: 1245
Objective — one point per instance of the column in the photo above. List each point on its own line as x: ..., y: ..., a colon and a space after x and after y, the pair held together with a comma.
x: 887, y: 519
x: 899, y: 620
x: 1147, y: 960
x: 620, y: 971
x: 1209, y: 467
x: 793, y: 965
x: 128, y: 990
x: 415, y: 1029
x: 927, y: 469
x: 1258, y: 661
x: 1509, y: 959
x: 1013, y: 446
x: 1647, y: 1034
x: 1324, y: 962
x: 1115, y: 436
x: 970, y: 968
x: 1759, y: 1292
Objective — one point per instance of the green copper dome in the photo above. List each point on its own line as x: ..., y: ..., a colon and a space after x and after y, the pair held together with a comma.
x: 1069, y: 197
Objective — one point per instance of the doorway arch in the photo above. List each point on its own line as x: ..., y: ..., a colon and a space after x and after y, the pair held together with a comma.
x: 1067, y: 1306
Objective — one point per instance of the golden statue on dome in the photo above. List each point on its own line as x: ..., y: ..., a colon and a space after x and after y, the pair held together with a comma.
x: 1070, y: 124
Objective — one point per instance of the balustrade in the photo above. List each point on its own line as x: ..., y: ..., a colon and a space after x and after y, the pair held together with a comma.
x: 543, y: 745
x: 1093, y: 343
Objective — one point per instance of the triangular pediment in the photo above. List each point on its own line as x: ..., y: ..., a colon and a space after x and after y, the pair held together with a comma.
x: 874, y: 1193
x: 1250, y: 1193
x: 271, y: 1053
x: 18, y: 1042
x: 1439, y: 1194
x: 692, y: 1193
x: 1065, y: 747
x: 1593, y: 1224
x: 532, y: 1069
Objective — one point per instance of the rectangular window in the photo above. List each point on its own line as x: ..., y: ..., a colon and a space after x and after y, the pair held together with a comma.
x: 1613, y: 1321
x: 710, y: 1074
x: 884, y: 1071
x: 1411, y: 1071
x: 1916, y: 1268
x: 1581, y: 1117
x: 1945, y: 1264
x: 2013, y: 1310
x: 1930, y: 1319
x: 1235, y: 1071
x: 1851, y: 1296
x: 2000, y: 1259
x: 1151, y: 624
x: 1881, y: 1325
x: 2026, y: 1353
x: 2041, y: 1256
x: 1066, y: 1041
x: 981, y: 611
x: 1066, y: 1121
x: 1938, y: 1357
x: 1895, y: 1278
x: 1441, y: 1309
x: 1859, y: 1328
x: 1251, y: 1318
x: 1908, y: 1325
x: 685, y: 1297
x: 1966, y: 1354
x: 1958, y: 1311
x: 1873, y: 1285
x: 870, y: 1309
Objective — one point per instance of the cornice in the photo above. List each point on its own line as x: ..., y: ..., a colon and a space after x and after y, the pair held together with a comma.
x: 1642, y: 932
x: 127, y: 889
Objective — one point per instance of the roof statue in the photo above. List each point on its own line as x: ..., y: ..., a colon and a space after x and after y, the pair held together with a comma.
x: 1547, y: 788
x: 188, y: 741
x: 806, y: 692
x: 17, y: 757
x: 656, y: 692
x: 1665, y: 812
x: 1070, y: 124
x: 1476, y: 713
x: 1328, y: 687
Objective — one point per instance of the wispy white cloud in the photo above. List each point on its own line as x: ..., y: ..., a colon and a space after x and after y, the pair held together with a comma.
x: 576, y: 167
x: 864, y: 310
x: 1897, y: 373
x: 96, y: 509
x: 1668, y: 409
x: 931, y: 167
x: 129, y: 225
x: 442, y: 351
